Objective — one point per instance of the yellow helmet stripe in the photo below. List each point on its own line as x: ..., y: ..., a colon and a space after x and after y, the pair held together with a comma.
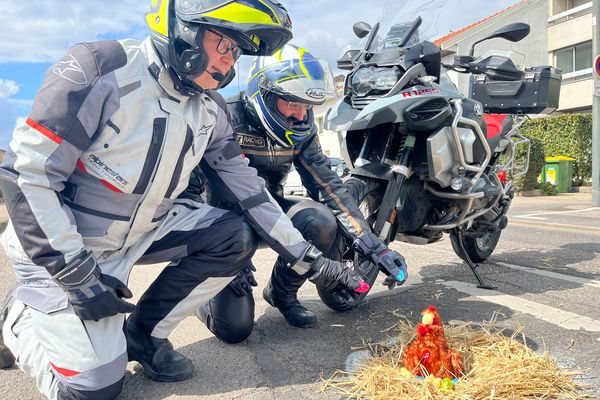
x: 287, y: 136
x: 301, y: 52
x: 156, y: 18
x: 258, y: 72
x: 287, y: 78
x: 278, y: 54
x: 272, y: 12
x: 241, y: 14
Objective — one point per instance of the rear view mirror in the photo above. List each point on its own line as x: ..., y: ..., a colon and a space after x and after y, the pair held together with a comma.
x: 512, y: 32
x: 361, y: 29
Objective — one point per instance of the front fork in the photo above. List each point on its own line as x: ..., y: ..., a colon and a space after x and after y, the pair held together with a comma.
x: 391, y: 199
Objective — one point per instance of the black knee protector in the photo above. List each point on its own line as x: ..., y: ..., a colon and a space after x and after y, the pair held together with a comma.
x: 231, y: 317
x: 317, y: 224
x: 108, y: 393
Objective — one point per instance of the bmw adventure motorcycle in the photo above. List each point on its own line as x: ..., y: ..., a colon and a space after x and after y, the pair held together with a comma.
x: 425, y: 159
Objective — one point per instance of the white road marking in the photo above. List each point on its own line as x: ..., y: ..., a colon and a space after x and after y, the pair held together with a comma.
x: 554, y: 275
x: 533, y: 216
x: 555, y: 316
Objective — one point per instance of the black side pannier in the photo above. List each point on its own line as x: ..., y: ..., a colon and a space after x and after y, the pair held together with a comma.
x: 536, y: 93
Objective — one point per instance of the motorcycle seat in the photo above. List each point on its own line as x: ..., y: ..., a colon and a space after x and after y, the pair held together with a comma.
x: 498, y: 125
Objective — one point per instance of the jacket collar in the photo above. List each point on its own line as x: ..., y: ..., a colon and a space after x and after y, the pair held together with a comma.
x: 165, y: 78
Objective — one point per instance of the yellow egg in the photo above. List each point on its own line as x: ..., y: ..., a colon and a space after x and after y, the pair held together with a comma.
x: 446, y: 385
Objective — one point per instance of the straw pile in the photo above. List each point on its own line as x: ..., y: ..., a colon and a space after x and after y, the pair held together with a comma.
x: 496, y: 367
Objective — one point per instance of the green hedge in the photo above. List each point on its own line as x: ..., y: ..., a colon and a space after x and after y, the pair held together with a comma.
x: 562, y: 135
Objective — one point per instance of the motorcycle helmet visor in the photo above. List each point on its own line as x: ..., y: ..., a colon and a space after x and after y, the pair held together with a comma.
x: 194, y: 13
x: 301, y: 81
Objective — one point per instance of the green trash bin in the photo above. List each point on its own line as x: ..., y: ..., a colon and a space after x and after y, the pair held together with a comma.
x: 559, y: 172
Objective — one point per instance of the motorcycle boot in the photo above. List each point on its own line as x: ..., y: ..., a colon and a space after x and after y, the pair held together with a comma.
x: 7, y: 359
x: 282, y: 292
x: 157, y: 356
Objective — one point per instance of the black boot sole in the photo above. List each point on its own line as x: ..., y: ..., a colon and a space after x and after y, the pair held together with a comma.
x: 157, y: 376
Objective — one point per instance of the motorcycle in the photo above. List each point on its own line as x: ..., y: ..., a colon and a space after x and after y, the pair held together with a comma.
x: 425, y: 159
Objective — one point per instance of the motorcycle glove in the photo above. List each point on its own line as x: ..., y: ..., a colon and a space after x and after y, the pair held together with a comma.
x: 92, y: 294
x: 324, y: 268
x: 243, y: 282
x: 389, y: 261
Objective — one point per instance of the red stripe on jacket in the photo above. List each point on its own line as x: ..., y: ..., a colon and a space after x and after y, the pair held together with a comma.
x: 82, y: 168
x: 44, y: 131
x: 64, y: 371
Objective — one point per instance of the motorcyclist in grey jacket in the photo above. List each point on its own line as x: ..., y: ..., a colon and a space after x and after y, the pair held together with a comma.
x: 274, y: 125
x: 91, y: 181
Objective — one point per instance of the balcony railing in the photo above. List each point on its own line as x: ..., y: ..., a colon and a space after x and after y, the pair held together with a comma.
x: 570, y: 14
x: 576, y: 75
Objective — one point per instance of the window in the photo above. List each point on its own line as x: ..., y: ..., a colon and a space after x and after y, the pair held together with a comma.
x: 577, y: 3
x: 574, y: 58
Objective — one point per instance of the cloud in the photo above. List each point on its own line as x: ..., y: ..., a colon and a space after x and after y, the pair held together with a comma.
x: 9, y: 107
x: 8, y: 88
x: 8, y: 120
x: 46, y: 28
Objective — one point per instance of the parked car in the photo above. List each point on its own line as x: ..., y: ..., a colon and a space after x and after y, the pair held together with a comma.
x: 293, y: 183
x: 339, y: 166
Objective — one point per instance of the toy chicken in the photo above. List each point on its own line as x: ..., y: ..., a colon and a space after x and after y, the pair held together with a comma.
x: 430, y: 350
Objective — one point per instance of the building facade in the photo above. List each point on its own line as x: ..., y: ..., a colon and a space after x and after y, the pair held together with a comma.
x: 562, y: 39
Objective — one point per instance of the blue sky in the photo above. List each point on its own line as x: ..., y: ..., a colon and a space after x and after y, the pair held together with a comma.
x: 38, y: 32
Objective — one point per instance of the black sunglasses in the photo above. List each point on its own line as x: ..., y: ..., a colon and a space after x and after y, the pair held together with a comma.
x: 225, y: 45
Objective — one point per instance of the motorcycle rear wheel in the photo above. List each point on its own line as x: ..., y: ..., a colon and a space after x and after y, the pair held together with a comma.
x: 478, y: 248
x: 368, y: 194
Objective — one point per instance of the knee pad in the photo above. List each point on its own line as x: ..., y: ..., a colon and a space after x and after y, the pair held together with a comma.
x: 231, y: 317
x: 317, y: 224
x: 110, y: 392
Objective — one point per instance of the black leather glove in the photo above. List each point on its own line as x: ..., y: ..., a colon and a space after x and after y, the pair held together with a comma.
x: 389, y: 261
x: 243, y: 282
x: 324, y: 268
x: 92, y: 294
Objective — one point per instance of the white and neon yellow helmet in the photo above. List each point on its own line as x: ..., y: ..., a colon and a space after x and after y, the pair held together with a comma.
x: 261, y: 27
x: 295, y: 75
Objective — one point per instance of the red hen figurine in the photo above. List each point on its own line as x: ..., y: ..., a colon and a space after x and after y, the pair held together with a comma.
x: 430, y: 349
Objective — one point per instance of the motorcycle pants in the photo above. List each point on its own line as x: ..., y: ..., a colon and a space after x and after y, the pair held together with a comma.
x: 230, y: 317
x: 74, y: 359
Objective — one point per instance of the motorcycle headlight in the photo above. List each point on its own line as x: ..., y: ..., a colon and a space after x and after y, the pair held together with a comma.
x: 371, y: 78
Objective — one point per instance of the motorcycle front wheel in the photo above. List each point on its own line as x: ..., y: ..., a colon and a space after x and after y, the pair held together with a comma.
x: 478, y: 248
x: 368, y: 194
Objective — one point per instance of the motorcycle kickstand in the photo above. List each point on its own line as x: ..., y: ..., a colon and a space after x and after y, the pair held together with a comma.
x: 471, y: 264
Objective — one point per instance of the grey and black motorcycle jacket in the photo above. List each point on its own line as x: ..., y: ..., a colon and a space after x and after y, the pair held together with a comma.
x: 273, y: 165
x: 106, y: 150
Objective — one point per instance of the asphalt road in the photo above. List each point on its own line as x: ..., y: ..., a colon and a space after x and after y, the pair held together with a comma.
x: 546, y: 268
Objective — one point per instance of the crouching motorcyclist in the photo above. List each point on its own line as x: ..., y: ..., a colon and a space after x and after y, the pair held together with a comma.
x: 91, y: 181
x: 274, y: 124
